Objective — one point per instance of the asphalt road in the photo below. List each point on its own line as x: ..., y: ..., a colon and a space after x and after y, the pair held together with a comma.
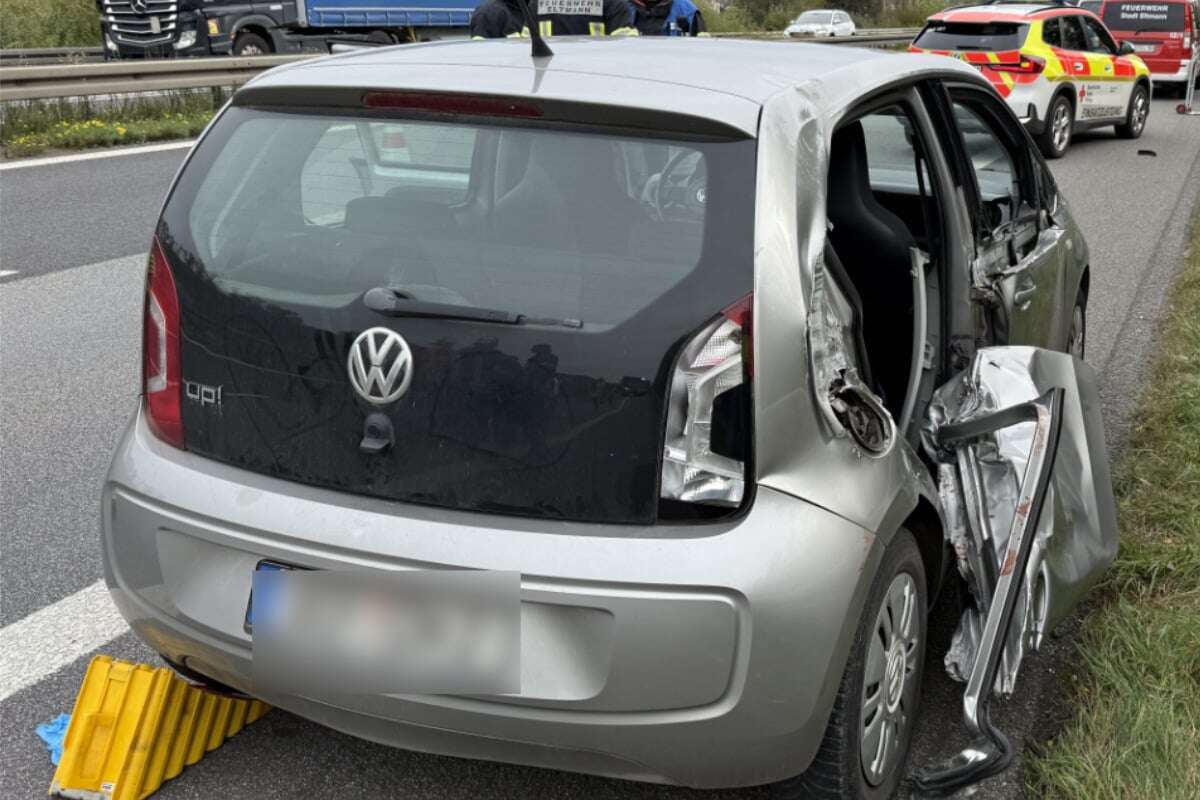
x: 75, y: 235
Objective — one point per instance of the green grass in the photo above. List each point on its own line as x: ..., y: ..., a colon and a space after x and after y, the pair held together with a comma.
x: 49, y: 23
x: 27, y: 129
x: 1137, y: 730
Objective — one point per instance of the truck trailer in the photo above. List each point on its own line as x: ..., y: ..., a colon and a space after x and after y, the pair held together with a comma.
x: 178, y: 28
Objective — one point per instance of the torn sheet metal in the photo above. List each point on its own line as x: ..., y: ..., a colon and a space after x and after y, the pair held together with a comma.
x: 988, y: 751
x: 850, y: 407
x: 1076, y: 539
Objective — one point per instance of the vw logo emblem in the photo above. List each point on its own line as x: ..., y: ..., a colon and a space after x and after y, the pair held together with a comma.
x: 380, y: 366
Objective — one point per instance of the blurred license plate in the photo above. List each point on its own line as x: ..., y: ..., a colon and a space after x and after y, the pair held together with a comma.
x: 267, y: 566
x: 1145, y: 48
x: 385, y: 632
x: 155, y: 25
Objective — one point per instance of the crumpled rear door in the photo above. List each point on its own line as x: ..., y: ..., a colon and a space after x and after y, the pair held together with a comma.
x: 1028, y: 503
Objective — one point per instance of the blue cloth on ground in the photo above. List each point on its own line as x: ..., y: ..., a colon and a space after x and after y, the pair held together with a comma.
x: 53, y: 733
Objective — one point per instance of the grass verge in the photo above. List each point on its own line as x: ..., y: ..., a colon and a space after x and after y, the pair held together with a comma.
x: 1137, y: 733
x: 49, y: 23
x: 28, y: 129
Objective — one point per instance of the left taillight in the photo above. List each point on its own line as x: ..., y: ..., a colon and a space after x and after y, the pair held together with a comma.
x: 1028, y: 65
x: 708, y: 414
x: 161, y: 373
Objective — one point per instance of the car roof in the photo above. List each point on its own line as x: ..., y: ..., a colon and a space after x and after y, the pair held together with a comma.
x: 1004, y: 12
x: 727, y: 81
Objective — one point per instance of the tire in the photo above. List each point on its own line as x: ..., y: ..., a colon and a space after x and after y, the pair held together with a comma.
x: 1136, y: 114
x: 251, y: 44
x: 1077, y: 333
x: 838, y: 770
x: 1055, y: 137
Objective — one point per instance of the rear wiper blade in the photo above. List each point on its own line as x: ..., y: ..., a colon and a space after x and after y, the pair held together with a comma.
x: 398, y: 303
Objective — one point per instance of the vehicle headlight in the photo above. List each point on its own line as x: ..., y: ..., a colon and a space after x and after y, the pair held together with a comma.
x: 109, y: 43
x: 186, y: 39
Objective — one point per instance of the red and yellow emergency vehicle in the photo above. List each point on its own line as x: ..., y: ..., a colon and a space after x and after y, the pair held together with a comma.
x: 1057, y: 65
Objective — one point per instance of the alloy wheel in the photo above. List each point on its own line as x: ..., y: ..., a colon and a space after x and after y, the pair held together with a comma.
x: 1141, y: 110
x: 889, y: 681
x: 1061, y: 125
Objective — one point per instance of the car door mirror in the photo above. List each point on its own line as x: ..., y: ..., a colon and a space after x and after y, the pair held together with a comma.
x: 1125, y: 49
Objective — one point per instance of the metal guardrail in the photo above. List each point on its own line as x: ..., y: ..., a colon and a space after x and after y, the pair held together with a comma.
x: 123, y: 77
x: 48, y: 81
x: 877, y: 37
x: 44, y: 55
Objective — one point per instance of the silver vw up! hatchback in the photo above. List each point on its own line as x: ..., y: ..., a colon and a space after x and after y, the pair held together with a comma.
x: 734, y: 352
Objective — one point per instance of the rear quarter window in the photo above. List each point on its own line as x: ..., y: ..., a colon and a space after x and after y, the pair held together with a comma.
x: 986, y: 36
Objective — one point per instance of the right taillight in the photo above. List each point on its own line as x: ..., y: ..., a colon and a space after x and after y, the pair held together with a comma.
x: 161, y: 371
x: 708, y: 430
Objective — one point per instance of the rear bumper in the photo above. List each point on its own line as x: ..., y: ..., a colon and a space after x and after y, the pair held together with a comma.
x: 705, y: 656
x: 1031, y: 102
x: 1164, y: 72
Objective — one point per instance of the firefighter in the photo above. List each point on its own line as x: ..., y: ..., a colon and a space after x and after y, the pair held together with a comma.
x: 496, y: 19
x: 668, y: 18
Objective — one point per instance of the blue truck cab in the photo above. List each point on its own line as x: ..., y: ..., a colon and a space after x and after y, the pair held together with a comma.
x: 178, y: 28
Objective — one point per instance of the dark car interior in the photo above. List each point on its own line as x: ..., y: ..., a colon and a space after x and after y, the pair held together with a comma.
x: 579, y: 226
x: 880, y: 207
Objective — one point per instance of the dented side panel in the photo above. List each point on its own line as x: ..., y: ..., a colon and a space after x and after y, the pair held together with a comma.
x: 797, y: 452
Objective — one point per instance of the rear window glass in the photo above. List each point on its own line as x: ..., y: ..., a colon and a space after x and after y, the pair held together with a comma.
x: 989, y: 36
x: 318, y: 209
x: 1144, y: 17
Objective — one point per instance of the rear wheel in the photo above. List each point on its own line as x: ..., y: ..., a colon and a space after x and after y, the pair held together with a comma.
x: 866, y: 743
x: 1077, y: 337
x: 250, y: 44
x: 1135, y: 117
x: 1055, y: 137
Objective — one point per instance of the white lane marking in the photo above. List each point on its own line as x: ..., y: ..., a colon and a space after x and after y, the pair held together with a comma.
x: 47, y: 640
x: 4, y: 273
x: 114, y: 153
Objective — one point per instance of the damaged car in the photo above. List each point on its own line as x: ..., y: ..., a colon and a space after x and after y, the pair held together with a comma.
x: 732, y: 373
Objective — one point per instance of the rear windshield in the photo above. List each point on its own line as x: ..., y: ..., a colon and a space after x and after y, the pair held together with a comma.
x: 1092, y: 6
x: 815, y: 17
x: 318, y: 209
x: 1144, y: 17
x: 989, y: 36
x: 612, y: 248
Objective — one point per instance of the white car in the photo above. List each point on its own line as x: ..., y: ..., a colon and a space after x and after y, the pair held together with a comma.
x: 821, y: 23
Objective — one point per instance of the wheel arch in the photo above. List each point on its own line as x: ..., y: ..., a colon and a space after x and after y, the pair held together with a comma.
x: 259, y: 25
x: 925, y: 524
x: 1068, y: 90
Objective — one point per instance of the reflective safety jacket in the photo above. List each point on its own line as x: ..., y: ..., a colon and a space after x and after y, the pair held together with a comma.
x: 668, y: 18
x: 496, y: 19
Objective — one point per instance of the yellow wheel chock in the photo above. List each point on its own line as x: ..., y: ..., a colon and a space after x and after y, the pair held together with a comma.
x: 134, y: 727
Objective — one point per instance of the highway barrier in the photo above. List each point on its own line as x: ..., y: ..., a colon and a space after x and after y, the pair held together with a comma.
x: 43, y: 55
x: 48, y: 81
x: 123, y: 77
